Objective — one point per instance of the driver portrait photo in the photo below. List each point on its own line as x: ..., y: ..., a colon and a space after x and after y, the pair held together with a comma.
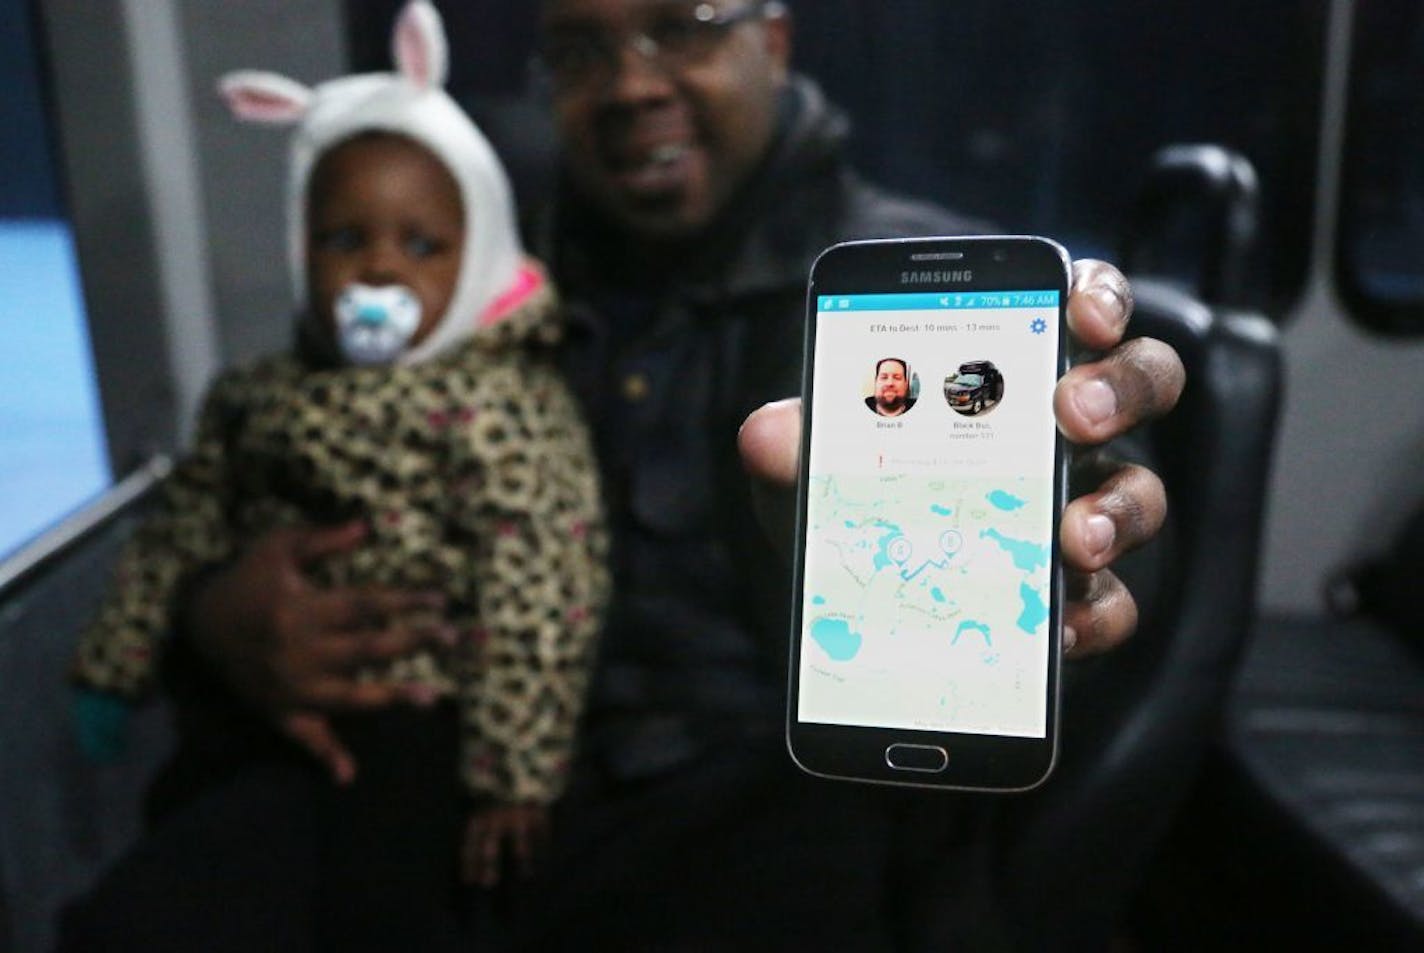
x: 894, y: 387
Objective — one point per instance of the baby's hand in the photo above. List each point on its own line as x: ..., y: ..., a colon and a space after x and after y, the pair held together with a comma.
x: 524, y: 827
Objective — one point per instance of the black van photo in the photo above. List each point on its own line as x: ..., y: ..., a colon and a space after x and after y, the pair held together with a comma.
x: 976, y: 387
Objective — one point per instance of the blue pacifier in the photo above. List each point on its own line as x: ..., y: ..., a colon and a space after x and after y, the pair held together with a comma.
x: 374, y: 324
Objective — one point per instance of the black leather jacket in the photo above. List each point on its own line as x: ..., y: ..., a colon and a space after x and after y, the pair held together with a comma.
x: 668, y: 367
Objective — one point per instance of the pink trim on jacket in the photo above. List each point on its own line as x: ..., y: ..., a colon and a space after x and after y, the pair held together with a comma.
x: 529, y: 279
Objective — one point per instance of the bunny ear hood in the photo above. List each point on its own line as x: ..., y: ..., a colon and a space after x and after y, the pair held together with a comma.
x: 410, y: 102
x: 418, y: 46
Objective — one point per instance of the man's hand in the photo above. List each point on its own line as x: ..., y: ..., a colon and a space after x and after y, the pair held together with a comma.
x: 523, y: 827
x: 292, y: 651
x: 1095, y: 401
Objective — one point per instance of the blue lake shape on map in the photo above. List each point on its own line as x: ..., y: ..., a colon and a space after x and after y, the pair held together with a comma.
x: 1005, y: 501
x: 1026, y: 556
x: 941, y: 510
x: 836, y: 638
x: 882, y: 558
x: 1034, y: 611
x: 818, y: 600
x: 937, y: 595
x: 970, y: 625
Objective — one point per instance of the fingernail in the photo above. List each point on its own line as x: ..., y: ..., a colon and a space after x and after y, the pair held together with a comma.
x: 1098, y: 534
x: 769, y: 405
x: 1112, y: 302
x: 1095, y: 400
x: 1070, y: 637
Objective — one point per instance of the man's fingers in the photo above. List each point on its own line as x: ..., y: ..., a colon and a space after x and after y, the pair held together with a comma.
x: 1124, y: 512
x: 331, y: 636
x: 1100, y: 613
x: 354, y: 613
x: 349, y: 693
x: 394, y: 641
x: 1099, y: 304
x: 313, y: 543
x: 314, y: 733
x: 355, y: 609
x: 1137, y: 381
x: 346, y: 650
x: 402, y: 639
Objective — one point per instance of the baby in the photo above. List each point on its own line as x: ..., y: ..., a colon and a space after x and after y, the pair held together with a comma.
x: 420, y: 398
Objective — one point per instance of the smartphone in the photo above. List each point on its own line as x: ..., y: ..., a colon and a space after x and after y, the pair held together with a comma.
x: 928, y: 591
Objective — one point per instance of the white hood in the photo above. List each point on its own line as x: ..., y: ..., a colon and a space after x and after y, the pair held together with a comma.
x: 410, y: 102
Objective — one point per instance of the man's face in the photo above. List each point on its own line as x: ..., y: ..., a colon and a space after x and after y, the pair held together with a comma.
x: 381, y: 210
x: 659, y: 136
x: 891, y: 388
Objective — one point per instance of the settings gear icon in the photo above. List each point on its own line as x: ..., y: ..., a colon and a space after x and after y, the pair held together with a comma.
x: 1038, y: 326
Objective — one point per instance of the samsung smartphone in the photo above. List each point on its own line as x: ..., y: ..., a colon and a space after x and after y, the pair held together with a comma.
x: 928, y: 599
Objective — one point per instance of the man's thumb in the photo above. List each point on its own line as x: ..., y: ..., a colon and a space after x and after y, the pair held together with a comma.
x: 313, y: 732
x: 770, y: 442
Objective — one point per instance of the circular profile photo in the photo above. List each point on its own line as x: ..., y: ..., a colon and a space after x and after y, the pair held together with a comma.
x: 893, y: 389
x: 976, y: 388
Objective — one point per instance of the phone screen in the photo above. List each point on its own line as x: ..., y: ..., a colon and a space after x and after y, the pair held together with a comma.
x: 930, y: 505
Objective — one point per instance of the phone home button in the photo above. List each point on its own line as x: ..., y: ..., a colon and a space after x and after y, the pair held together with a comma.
x: 930, y: 759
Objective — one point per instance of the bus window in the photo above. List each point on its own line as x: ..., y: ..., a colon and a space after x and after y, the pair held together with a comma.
x: 53, y: 454
x: 1041, y: 116
x: 1379, y: 258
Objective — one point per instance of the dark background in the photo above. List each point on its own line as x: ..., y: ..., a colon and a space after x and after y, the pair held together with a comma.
x: 1035, y: 118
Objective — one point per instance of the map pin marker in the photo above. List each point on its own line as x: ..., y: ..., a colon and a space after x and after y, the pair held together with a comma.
x: 950, y: 541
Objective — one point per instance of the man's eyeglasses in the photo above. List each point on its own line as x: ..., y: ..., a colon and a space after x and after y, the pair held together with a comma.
x: 672, y: 37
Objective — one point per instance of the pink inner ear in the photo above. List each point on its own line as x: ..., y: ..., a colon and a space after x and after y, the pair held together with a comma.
x: 264, y: 97
x: 259, y: 105
x: 414, y: 63
x: 420, y: 44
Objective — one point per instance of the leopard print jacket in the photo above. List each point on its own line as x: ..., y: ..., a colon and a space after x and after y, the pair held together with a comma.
x: 475, y: 475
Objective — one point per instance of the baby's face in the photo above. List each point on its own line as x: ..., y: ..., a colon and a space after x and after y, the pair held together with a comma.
x: 382, y: 210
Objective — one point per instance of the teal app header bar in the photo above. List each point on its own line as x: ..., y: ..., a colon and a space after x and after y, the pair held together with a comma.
x: 938, y: 301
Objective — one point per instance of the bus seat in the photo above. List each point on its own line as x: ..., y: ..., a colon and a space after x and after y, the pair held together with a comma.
x: 1137, y: 722
x: 62, y: 818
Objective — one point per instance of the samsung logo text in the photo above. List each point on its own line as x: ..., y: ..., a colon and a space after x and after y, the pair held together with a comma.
x: 935, y: 277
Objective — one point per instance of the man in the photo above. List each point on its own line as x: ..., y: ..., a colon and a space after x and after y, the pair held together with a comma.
x: 699, y: 180
x: 892, y: 388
